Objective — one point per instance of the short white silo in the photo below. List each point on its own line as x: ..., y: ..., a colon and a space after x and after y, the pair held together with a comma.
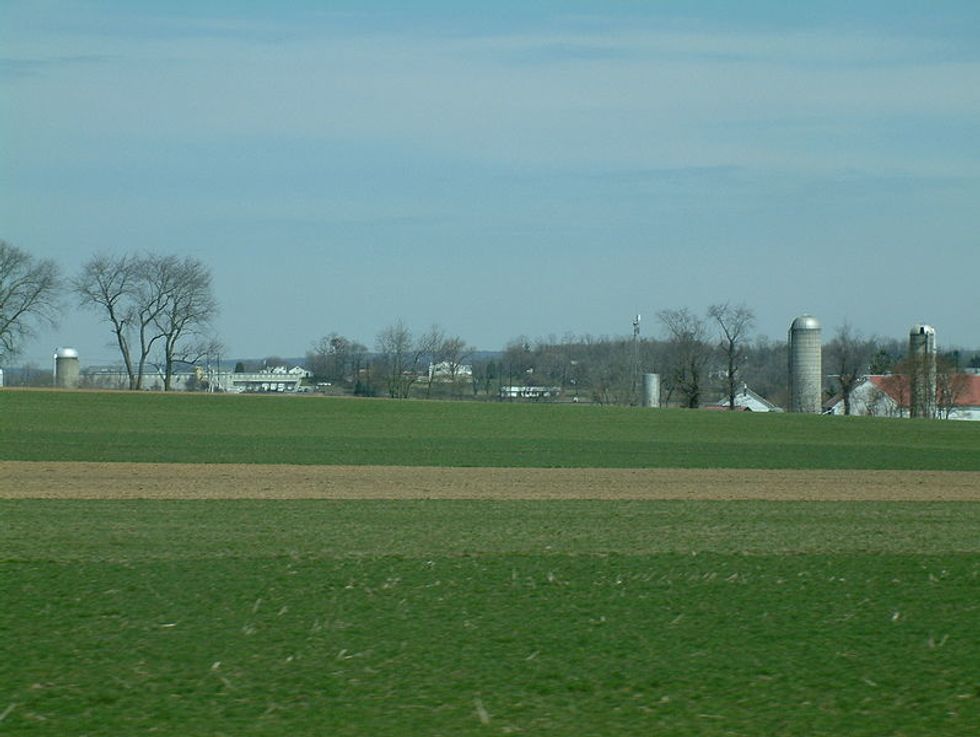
x: 805, y: 371
x: 66, y: 370
x: 651, y: 390
x: 922, y: 370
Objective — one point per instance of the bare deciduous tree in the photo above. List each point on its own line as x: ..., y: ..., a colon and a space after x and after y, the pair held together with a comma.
x: 28, y: 294
x: 150, y: 301
x: 430, y: 345
x: 184, y: 287
x: 336, y: 359
x: 485, y: 373
x: 897, y: 385
x: 688, y: 356
x: 400, y: 356
x: 608, y: 366
x: 454, y: 351
x: 951, y: 384
x: 110, y: 283
x: 734, y: 323
x: 202, y: 353
x: 204, y: 356
x: 765, y: 369
x: 517, y: 363
x: 848, y: 357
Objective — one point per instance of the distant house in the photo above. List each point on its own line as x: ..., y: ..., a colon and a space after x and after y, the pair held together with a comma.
x: 746, y: 400
x: 888, y: 395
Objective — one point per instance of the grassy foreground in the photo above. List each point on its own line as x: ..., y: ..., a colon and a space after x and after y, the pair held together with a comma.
x: 473, y: 618
x: 482, y: 617
x: 106, y: 426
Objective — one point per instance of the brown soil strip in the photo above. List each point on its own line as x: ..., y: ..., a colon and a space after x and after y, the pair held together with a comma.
x: 45, y: 480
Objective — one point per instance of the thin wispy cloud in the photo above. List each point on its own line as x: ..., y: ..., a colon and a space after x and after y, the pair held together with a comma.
x: 463, y: 97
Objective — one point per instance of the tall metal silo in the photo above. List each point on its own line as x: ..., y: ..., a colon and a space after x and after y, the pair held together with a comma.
x: 66, y: 371
x: 922, y: 370
x: 805, y: 371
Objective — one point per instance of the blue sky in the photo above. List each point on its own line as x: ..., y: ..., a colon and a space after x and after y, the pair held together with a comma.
x: 503, y: 170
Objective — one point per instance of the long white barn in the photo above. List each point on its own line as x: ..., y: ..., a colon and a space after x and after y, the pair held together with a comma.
x: 278, y: 379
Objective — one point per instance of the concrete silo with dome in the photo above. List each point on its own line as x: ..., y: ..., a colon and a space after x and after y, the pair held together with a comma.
x: 805, y: 369
x: 66, y: 368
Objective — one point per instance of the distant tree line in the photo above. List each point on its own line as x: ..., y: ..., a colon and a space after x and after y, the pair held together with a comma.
x: 700, y: 358
x: 159, y: 310
x: 403, y: 364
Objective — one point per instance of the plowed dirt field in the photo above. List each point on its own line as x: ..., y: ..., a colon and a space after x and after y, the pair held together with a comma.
x: 46, y: 480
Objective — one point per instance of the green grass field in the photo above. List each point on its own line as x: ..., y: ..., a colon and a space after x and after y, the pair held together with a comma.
x: 472, y: 618
x: 410, y: 618
x: 75, y: 426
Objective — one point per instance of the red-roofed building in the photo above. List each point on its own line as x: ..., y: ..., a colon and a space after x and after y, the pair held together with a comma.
x: 888, y: 395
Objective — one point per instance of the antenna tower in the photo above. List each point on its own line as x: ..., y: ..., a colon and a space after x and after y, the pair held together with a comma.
x: 636, y: 358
